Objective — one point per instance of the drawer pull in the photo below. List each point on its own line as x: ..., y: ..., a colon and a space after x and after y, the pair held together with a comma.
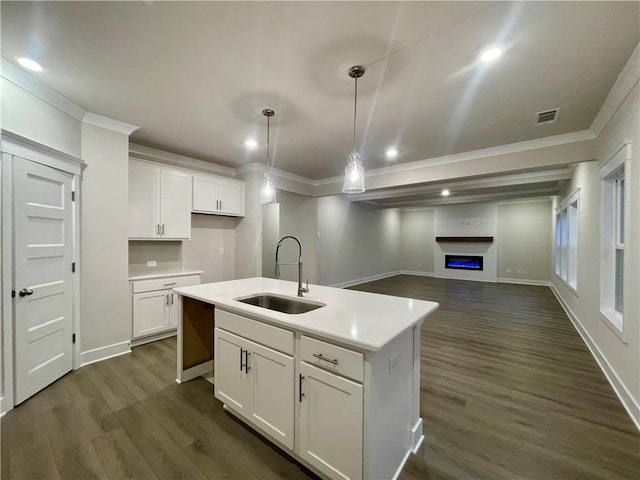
x: 169, y: 284
x: 300, y: 394
x: 319, y: 356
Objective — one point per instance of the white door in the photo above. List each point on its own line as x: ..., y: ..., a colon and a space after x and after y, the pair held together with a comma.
x: 205, y: 194
x: 232, y: 381
x: 229, y: 195
x: 273, y: 392
x: 43, y: 250
x: 330, y: 425
x: 150, y: 312
x: 175, y: 205
x: 144, y: 201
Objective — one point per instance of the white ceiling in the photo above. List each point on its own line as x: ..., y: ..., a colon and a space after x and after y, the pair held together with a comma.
x: 195, y: 76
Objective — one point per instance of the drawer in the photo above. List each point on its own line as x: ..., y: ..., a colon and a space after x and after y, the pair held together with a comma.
x: 332, y: 358
x: 165, y: 283
x: 262, y: 333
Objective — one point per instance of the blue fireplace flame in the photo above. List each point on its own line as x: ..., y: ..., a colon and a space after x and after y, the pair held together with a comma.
x: 464, y: 262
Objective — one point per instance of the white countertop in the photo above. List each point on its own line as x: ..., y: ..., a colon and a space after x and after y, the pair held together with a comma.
x: 367, y: 321
x: 148, y: 275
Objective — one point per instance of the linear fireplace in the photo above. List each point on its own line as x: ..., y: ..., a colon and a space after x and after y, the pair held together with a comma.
x: 463, y: 262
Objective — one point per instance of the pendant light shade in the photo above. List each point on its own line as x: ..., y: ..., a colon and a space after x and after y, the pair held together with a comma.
x: 354, y: 172
x: 268, y: 190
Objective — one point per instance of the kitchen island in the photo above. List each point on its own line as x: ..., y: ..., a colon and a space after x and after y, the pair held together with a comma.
x: 337, y: 387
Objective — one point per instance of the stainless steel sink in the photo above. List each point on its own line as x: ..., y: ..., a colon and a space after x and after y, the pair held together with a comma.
x: 280, y: 303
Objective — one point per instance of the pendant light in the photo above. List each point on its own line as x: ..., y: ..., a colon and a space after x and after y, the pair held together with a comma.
x: 268, y: 191
x: 354, y: 172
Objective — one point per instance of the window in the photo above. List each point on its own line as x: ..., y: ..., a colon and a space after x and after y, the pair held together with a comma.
x: 567, y: 241
x: 614, y: 223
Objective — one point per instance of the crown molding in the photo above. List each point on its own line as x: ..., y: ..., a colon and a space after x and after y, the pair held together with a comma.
x: 155, y: 155
x: 108, y: 123
x: 31, y: 84
x: 624, y: 84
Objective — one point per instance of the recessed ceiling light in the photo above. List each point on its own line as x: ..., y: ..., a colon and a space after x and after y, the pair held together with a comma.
x: 490, y: 54
x: 445, y: 193
x: 251, y: 144
x: 30, y: 64
x: 391, y: 152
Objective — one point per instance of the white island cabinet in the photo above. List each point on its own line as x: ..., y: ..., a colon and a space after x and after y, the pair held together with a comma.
x: 337, y: 387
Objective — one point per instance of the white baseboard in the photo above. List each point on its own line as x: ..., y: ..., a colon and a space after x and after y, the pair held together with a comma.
x: 628, y: 402
x: 5, y: 406
x: 102, y: 353
x: 524, y: 281
x: 417, y: 273
x: 152, y: 338
x: 358, y: 281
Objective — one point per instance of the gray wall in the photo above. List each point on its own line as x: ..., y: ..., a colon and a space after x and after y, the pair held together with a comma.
x: 524, y: 240
x: 356, y: 240
x: 248, y: 255
x: 202, y: 252
x: 619, y: 357
x: 417, y: 241
x: 270, y: 237
x: 104, y: 290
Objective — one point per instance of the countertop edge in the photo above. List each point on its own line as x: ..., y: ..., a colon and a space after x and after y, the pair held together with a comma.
x: 168, y: 274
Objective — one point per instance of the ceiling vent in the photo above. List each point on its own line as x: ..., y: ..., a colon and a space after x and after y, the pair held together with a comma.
x: 548, y: 116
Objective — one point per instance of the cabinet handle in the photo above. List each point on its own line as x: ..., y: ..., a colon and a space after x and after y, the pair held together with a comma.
x: 300, y: 394
x: 158, y: 229
x: 246, y: 361
x: 241, y: 352
x: 172, y: 299
x: 167, y: 298
x: 163, y: 229
x: 319, y: 356
x: 220, y: 204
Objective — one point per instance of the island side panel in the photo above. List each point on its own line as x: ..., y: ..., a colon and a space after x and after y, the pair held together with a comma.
x: 417, y: 436
x: 195, y: 350
x: 388, y: 405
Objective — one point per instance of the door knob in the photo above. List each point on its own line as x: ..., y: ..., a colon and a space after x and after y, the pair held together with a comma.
x: 25, y: 291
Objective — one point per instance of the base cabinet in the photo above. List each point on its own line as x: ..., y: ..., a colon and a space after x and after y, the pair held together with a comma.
x: 257, y: 382
x: 330, y: 418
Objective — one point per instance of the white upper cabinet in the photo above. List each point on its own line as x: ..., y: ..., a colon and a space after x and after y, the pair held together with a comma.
x: 217, y: 195
x: 159, y: 203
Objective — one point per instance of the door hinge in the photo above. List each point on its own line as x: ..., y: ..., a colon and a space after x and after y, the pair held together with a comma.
x: 13, y: 293
x: 73, y: 338
x: 73, y: 196
x: 73, y: 267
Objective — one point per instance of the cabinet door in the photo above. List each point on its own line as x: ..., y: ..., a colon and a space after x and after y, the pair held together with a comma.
x: 230, y: 197
x: 205, y: 194
x: 330, y: 428
x: 273, y: 392
x: 174, y: 310
x: 150, y: 312
x: 232, y: 382
x: 144, y: 196
x: 175, y: 205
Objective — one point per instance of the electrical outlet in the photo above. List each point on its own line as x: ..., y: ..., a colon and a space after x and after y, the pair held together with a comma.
x: 152, y: 263
x: 393, y: 363
x: 221, y: 250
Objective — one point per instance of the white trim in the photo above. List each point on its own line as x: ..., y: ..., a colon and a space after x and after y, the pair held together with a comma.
x: 103, y: 353
x: 628, y: 402
x: 569, y: 199
x: 417, y: 437
x: 276, y: 172
x: 624, y: 84
x: 524, y: 281
x: 23, y: 147
x: 108, y: 123
x: 606, y: 167
x: 5, y: 405
x: 205, y: 368
x: 34, y: 86
x: 136, y: 342
x: 615, y: 321
x: 358, y: 281
x: 544, y: 142
x: 416, y: 273
x: 525, y: 201
x: 7, y: 280
x: 160, y: 156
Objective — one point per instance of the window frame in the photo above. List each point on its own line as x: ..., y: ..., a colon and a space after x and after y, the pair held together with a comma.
x: 614, y: 227
x: 567, y: 234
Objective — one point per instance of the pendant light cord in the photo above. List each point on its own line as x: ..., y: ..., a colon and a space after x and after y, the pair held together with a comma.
x: 268, y: 141
x: 355, y: 113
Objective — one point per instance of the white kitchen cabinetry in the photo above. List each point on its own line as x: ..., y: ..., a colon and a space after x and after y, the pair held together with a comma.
x: 159, y: 203
x: 218, y: 195
x: 255, y: 380
x: 330, y: 420
x: 156, y: 309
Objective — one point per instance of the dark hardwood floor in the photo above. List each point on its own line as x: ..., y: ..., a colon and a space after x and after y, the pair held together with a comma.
x: 509, y: 390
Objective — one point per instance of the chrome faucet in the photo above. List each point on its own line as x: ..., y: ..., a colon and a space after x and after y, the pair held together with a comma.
x: 301, y: 289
